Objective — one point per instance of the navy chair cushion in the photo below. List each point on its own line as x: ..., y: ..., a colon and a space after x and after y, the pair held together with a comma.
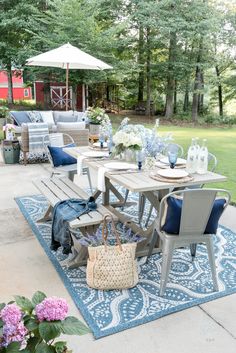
x: 20, y: 117
x: 172, y: 215
x: 59, y: 157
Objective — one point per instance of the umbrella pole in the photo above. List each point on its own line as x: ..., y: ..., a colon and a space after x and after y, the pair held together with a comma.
x: 67, y: 84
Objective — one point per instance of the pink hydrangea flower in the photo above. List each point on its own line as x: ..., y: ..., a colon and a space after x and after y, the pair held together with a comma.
x: 14, y: 333
x: 11, y: 314
x: 51, y: 309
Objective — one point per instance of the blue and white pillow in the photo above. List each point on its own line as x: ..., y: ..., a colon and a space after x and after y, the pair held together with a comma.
x: 35, y: 116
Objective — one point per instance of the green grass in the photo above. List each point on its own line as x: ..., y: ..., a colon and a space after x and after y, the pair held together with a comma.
x: 220, y: 141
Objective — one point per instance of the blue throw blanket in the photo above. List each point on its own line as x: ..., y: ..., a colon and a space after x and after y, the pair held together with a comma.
x: 64, y: 212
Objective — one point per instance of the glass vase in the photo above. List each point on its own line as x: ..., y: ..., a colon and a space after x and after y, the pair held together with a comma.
x: 130, y: 156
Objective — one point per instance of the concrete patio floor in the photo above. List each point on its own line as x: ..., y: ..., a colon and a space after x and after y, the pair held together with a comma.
x: 24, y: 268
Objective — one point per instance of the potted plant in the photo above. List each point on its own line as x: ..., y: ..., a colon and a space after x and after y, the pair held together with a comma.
x: 96, y: 116
x: 34, y: 326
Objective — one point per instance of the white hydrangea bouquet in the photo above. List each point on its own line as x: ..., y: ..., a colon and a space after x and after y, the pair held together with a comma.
x: 126, y: 140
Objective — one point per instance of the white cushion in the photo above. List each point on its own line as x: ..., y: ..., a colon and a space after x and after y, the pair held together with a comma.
x: 65, y: 116
x: 47, y: 117
x: 71, y: 126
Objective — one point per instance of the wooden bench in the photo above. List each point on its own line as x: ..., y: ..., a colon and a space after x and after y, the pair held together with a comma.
x: 58, y: 189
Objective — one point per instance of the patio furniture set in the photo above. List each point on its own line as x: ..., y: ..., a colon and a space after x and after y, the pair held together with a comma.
x: 197, y: 205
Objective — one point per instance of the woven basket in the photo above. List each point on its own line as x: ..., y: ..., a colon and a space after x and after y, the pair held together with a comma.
x: 112, y: 267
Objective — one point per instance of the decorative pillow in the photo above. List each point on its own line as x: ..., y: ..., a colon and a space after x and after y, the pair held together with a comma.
x: 47, y: 117
x: 59, y: 157
x: 35, y: 117
x: 172, y: 216
x: 64, y: 116
x: 81, y: 116
x: 20, y: 117
x: 71, y: 126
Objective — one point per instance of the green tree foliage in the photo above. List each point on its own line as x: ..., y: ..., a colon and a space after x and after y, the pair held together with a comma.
x: 173, y: 53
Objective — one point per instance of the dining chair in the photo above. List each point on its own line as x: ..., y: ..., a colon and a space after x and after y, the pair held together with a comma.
x: 188, y: 217
x: 67, y: 164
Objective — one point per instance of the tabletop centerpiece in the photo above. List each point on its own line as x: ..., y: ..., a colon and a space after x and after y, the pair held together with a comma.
x: 97, y: 117
x: 126, y: 144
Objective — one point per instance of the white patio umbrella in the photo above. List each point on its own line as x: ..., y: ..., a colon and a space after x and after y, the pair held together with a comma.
x: 67, y: 57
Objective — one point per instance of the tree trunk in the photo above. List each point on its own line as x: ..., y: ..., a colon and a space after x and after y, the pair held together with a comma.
x: 148, y: 106
x: 10, y: 85
x: 220, y: 95
x: 186, y: 98
x: 141, y: 64
x: 201, y: 96
x: 175, y: 98
x: 170, y: 78
x: 197, y: 84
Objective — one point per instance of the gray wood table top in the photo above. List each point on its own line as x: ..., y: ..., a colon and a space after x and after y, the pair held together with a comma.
x: 140, y: 181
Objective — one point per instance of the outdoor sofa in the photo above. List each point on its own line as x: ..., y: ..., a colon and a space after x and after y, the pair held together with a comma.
x: 72, y: 123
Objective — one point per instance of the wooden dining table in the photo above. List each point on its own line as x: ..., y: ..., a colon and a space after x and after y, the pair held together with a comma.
x: 139, y: 182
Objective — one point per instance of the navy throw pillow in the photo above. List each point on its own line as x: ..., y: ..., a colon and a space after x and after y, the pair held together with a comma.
x: 173, y: 215
x: 59, y: 157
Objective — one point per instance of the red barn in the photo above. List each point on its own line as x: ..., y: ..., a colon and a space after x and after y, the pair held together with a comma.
x: 58, y: 96
x: 20, y: 92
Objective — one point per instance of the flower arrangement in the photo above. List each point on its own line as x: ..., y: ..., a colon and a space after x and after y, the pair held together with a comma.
x: 9, y: 130
x: 31, y: 326
x: 126, y: 140
x: 126, y: 236
x: 97, y: 115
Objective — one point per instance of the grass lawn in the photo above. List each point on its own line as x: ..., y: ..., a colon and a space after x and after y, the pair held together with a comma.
x: 220, y: 141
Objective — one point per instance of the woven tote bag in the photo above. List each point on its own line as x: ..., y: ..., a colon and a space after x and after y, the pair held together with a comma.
x: 112, y: 266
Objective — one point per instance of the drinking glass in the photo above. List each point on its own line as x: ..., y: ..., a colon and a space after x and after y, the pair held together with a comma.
x: 172, y: 156
x: 140, y: 157
x: 101, y: 139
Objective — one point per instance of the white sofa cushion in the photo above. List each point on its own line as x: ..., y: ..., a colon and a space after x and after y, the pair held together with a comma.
x: 80, y: 125
x: 65, y: 117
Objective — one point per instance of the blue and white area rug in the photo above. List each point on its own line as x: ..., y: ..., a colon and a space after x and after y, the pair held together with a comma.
x: 108, y: 312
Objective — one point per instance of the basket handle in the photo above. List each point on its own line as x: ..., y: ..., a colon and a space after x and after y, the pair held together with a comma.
x: 105, y: 231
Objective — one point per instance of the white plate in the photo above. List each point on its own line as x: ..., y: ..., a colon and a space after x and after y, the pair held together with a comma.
x: 120, y: 165
x: 179, y: 161
x: 95, y: 154
x: 172, y: 173
x: 97, y: 144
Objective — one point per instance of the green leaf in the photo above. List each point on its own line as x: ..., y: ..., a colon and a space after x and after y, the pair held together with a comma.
x: 2, y: 305
x: 13, y: 347
x: 31, y: 324
x: 44, y: 348
x: 24, y: 303
x: 32, y: 342
x: 38, y: 297
x: 72, y: 326
x: 50, y: 329
x: 1, y: 323
x: 60, y: 347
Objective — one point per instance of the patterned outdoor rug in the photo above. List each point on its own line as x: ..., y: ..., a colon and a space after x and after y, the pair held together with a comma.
x: 109, y: 312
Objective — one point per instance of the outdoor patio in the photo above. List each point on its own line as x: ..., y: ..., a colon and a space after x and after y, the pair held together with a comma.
x: 25, y: 268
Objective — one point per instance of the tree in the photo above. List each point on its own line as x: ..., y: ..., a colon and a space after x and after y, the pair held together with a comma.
x: 20, y: 20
